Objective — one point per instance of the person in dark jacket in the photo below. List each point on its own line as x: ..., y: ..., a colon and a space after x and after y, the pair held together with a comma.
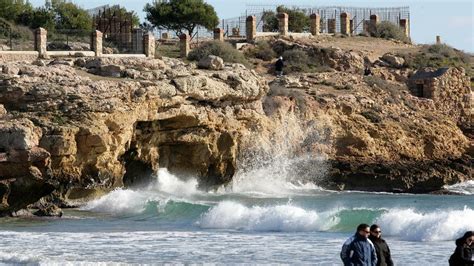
x: 464, y: 252
x: 381, y: 248
x: 358, y: 249
x: 279, y: 66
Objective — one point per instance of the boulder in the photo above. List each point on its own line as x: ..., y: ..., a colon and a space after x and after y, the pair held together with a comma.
x: 19, y: 135
x: 50, y: 211
x: 111, y: 71
x: 211, y: 62
x: 3, y: 111
x: 10, y: 70
x: 393, y: 60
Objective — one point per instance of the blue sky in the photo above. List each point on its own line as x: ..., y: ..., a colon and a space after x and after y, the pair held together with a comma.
x: 452, y: 20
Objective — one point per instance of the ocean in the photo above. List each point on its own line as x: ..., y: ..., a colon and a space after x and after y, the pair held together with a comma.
x: 253, y: 220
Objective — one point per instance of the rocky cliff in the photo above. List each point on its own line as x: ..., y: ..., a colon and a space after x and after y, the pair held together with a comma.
x: 72, y: 129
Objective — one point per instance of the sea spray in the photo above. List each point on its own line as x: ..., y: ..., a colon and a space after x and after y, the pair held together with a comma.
x: 413, y: 225
x: 466, y: 188
x: 283, y: 161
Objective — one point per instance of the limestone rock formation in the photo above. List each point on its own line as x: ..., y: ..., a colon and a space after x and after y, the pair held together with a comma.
x: 76, y: 130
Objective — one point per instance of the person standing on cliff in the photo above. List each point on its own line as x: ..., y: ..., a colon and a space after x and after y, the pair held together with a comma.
x: 381, y: 248
x: 358, y: 249
x: 279, y: 66
x: 464, y: 252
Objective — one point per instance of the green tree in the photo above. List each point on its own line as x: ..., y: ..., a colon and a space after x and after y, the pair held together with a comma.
x: 179, y: 15
x: 11, y: 9
x: 298, y: 21
x: 70, y: 16
x: 123, y: 12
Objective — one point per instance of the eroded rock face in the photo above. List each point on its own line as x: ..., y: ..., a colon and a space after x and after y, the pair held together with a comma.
x: 70, y: 132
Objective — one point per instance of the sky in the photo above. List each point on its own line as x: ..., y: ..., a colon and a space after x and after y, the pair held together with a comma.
x: 452, y: 20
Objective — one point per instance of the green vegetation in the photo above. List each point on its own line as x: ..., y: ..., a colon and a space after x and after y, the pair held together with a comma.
x: 179, y: 15
x: 297, y: 60
x: 221, y: 49
x: 437, y: 55
x: 13, y: 10
x: 262, y: 50
x: 54, y: 15
x: 298, y: 21
x: 388, y: 30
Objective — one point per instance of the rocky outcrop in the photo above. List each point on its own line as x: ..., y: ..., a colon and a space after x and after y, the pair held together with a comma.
x: 75, y: 130
x: 67, y: 129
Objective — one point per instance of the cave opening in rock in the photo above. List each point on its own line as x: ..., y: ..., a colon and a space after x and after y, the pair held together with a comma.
x: 137, y: 172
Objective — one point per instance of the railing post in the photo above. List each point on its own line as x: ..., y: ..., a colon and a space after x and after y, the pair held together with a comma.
x: 283, y: 23
x: 184, y: 48
x: 345, y: 23
x: 251, y: 28
x: 315, y: 26
x: 149, y: 44
x: 96, y: 42
x: 41, y: 36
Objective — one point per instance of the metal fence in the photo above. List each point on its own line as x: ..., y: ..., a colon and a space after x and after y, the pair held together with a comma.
x: 69, y: 40
x: 358, y: 15
x: 15, y: 38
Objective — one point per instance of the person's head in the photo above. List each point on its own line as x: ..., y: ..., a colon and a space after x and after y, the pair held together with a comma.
x: 363, y: 230
x: 281, y: 57
x: 469, y: 238
x: 375, y: 231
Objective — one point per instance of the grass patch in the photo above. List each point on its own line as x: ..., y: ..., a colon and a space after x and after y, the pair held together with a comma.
x: 171, y: 51
x: 222, y: 49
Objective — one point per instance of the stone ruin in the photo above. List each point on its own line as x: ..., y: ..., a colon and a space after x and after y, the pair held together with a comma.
x: 450, y: 90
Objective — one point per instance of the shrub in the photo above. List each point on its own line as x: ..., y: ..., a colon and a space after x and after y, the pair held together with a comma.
x: 262, y: 50
x: 297, y: 60
x: 388, y: 30
x: 221, y: 49
x: 372, y: 116
x: 437, y: 55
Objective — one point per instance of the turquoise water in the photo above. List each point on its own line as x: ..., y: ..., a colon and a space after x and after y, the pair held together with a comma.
x: 251, y: 221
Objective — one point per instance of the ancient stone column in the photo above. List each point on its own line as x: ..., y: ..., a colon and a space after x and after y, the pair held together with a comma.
x: 283, y: 23
x: 251, y: 28
x: 184, y: 48
x: 405, y: 25
x: 331, y: 25
x: 149, y: 44
x: 345, y: 24
x: 41, y: 36
x: 137, y: 41
x: 165, y: 36
x: 219, y: 34
x: 315, y: 24
x: 438, y: 39
x: 352, y: 25
x: 96, y: 42
x: 374, y: 20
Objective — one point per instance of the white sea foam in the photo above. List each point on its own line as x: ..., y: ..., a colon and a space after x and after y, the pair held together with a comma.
x: 466, y: 188
x: 232, y: 215
x: 277, y: 178
x: 409, y: 224
x: 129, y: 201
